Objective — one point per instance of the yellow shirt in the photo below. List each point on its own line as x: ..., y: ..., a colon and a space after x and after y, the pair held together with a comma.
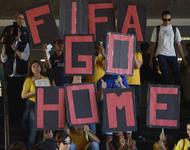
x: 156, y: 146
x: 29, y: 86
x: 135, y: 79
x: 183, y: 143
x: 98, y: 71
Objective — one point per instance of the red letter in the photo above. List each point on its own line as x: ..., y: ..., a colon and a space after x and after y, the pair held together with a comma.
x: 110, y: 54
x: 93, y: 19
x: 154, y: 106
x: 88, y: 59
x: 125, y: 100
x: 31, y: 15
x: 132, y: 15
x: 93, y: 118
x: 41, y: 107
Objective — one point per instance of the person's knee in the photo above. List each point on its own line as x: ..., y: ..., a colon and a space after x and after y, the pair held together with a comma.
x: 73, y: 146
x: 93, y: 146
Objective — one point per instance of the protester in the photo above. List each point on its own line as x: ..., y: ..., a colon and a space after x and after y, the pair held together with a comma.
x: 17, y: 146
x: 47, y: 143
x: 98, y: 69
x: 165, y: 142
x: 14, y: 56
x: 55, y: 63
x: 184, y: 144
x: 84, y: 138
x: 108, y: 81
x: 28, y: 92
x: 120, y: 143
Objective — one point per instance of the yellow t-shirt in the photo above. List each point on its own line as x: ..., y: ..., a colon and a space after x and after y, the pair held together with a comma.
x: 98, y: 71
x: 156, y: 146
x: 135, y: 79
x: 29, y: 86
x: 183, y: 143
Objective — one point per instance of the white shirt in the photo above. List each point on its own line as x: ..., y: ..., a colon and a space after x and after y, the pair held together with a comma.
x: 166, y: 40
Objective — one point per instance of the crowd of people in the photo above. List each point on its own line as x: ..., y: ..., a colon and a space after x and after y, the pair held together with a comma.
x: 155, y: 64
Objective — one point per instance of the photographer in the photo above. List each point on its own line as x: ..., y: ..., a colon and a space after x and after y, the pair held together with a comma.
x: 14, y: 56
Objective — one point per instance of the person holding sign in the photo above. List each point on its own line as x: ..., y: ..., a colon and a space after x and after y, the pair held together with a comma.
x: 98, y: 70
x: 184, y: 144
x: 55, y: 63
x: 109, y: 81
x: 164, y: 143
x: 28, y: 92
x: 84, y: 138
x: 14, y: 56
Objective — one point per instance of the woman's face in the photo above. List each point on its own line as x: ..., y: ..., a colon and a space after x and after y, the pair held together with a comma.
x: 36, y: 68
x: 65, y: 146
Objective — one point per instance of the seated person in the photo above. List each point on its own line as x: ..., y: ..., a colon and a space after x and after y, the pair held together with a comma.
x: 164, y: 143
x: 84, y: 138
x: 120, y: 143
x: 47, y: 143
x: 63, y: 141
x: 184, y: 144
x: 98, y: 69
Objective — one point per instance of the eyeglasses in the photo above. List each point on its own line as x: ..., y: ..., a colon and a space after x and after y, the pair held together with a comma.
x: 169, y: 19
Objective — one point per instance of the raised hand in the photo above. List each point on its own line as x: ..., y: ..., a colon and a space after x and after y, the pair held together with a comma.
x: 103, y: 84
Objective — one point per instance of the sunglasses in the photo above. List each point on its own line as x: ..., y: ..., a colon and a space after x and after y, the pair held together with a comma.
x: 166, y: 19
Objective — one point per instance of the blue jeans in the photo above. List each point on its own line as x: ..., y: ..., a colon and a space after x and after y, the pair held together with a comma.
x: 93, y: 146
x: 73, y: 146
x: 167, y: 64
x: 29, y: 120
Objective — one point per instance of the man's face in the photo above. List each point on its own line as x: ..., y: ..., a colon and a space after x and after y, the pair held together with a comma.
x: 166, y: 20
x: 59, y: 48
x: 188, y: 129
x: 20, y: 19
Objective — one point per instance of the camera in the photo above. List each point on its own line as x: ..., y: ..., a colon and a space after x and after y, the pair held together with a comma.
x: 10, y: 34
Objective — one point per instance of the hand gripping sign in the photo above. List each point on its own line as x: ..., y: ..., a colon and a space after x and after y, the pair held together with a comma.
x: 163, y: 109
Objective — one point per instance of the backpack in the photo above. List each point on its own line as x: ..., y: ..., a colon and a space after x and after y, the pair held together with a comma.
x: 156, y: 68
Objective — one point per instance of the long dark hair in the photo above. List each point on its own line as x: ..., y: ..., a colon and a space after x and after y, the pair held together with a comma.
x: 30, y: 73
